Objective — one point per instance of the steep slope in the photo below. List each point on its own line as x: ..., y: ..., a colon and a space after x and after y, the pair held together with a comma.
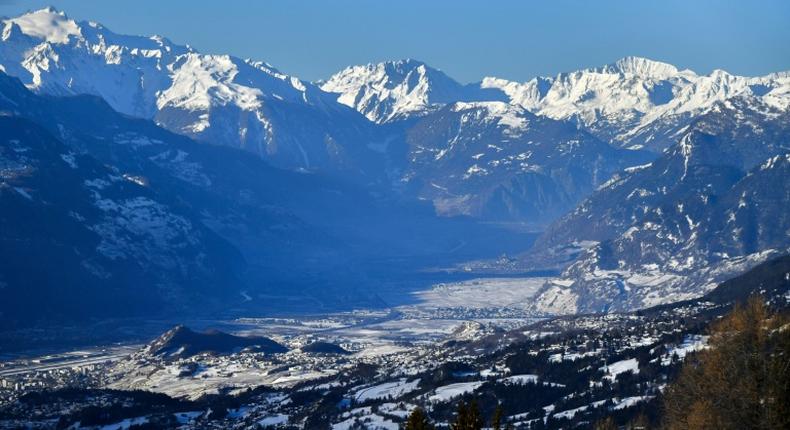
x: 79, y: 238
x: 213, y: 98
x: 711, y: 206
x: 499, y: 162
x: 226, y: 189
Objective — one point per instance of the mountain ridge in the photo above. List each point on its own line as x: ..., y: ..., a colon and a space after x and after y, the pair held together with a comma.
x: 624, y: 102
x: 217, y: 99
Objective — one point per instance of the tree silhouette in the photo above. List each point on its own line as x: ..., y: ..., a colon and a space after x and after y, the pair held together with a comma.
x: 468, y: 417
x: 496, y: 421
x: 418, y: 421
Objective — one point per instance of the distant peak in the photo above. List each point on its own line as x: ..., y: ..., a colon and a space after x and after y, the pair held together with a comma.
x: 641, y: 66
x: 407, y: 62
x: 394, y: 72
x: 49, y: 24
x: 403, y: 66
x: 49, y: 10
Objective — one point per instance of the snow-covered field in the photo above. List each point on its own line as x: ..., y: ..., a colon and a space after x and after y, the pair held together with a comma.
x: 389, y: 390
x: 449, y: 392
x: 614, y: 369
x: 691, y: 343
x: 482, y: 293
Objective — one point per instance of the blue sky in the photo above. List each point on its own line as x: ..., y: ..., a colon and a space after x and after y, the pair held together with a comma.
x: 468, y: 40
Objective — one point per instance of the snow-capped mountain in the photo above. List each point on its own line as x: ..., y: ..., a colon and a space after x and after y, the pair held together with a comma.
x: 634, y: 102
x: 298, y: 125
x: 214, y: 98
x: 498, y: 161
x: 713, y: 205
x: 394, y: 90
x: 470, y: 152
x: 167, y: 205
x: 387, y: 146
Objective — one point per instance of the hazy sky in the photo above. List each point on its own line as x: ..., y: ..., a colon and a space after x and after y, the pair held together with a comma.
x: 468, y: 40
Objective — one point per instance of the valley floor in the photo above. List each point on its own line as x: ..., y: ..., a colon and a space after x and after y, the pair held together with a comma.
x: 458, y: 310
x: 461, y: 340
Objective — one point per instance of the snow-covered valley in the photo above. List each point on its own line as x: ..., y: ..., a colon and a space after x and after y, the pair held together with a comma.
x: 373, y: 368
x: 196, y: 240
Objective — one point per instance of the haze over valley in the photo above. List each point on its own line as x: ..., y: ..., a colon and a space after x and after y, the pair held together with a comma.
x: 193, y: 240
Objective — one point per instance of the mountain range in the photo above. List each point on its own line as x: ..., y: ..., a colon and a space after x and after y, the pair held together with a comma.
x: 134, y: 164
x: 710, y: 206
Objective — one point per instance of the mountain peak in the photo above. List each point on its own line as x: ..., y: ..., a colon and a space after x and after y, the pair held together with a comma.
x: 643, y: 67
x: 411, y: 62
x: 48, y: 24
x: 392, y: 70
x: 52, y: 10
x: 393, y: 89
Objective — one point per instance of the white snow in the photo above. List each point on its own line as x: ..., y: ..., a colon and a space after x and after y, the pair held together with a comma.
x: 520, y: 379
x: 449, y: 392
x: 141, y: 76
x: 629, y: 95
x: 572, y: 412
x: 396, y: 410
x: 48, y: 24
x: 365, y: 419
x: 273, y: 420
x: 482, y: 293
x: 391, y: 90
x: 627, y: 402
x: 691, y: 343
x: 22, y: 192
x: 503, y: 114
x: 388, y: 390
x: 69, y: 159
x: 614, y: 369
x: 125, y: 424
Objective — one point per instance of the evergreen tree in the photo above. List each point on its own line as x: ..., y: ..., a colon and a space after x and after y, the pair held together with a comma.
x: 496, y: 421
x: 468, y: 417
x: 418, y: 421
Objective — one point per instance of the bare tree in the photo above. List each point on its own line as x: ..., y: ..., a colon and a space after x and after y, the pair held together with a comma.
x: 742, y: 381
